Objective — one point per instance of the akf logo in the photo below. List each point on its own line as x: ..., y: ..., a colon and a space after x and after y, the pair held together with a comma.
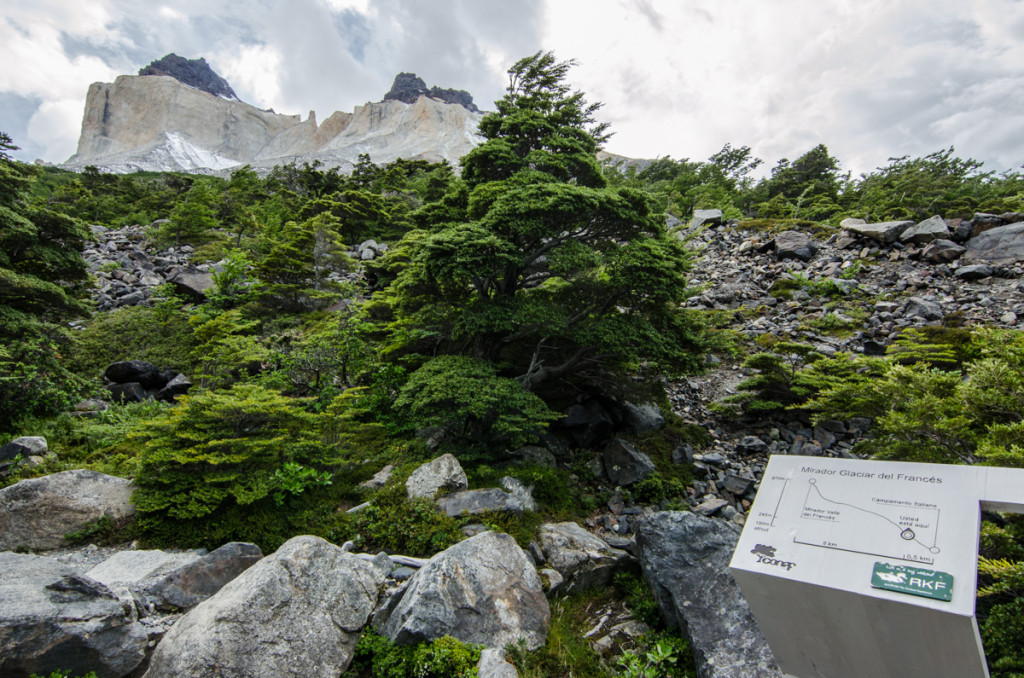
x: 766, y: 556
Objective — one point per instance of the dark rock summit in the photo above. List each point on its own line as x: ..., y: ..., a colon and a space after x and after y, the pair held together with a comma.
x: 408, y: 87
x: 192, y: 72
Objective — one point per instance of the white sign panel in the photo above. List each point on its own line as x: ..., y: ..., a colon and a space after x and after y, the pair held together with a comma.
x: 867, y: 568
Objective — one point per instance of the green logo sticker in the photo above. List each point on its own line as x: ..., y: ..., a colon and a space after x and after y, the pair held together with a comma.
x: 916, y: 581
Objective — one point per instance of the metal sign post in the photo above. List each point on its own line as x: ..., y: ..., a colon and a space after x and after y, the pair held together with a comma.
x: 869, y: 568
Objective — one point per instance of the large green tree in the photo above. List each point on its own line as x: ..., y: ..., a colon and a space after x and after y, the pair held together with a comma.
x: 41, y: 271
x: 531, y: 262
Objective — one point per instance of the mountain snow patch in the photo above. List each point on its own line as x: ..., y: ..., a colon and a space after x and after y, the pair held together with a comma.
x: 189, y: 156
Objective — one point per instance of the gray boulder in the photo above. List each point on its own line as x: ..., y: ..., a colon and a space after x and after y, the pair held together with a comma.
x: 794, y: 245
x: 522, y: 492
x: 685, y: 560
x: 179, y: 385
x: 644, y: 417
x: 933, y: 228
x: 193, y: 283
x: 443, y: 473
x: 52, y: 619
x: 297, y: 612
x: 175, y: 581
x: 918, y: 307
x: 974, y: 272
x: 36, y: 513
x: 473, y: 502
x: 942, y: 251
x: 583, y: 560
x: 379, y: 479
x: 493, y: 664
x: 144, y: 373
x: 1002, y: 245
x: 885, y: 232
x: 127, y: 393
x: 482, y: 590
x: 624, y: 464
x: 706, y: 218
x: 983, y: 222
x: 27, y: 450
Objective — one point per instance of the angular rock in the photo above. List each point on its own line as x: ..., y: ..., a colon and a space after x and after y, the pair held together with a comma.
x: 1002, y: 245
x: 379, y: 479
x: 517, y: 489
x: 473, y: 502
x: 533, y: 454
x: 685, y: 560
x: 710, y: 506
x: 984, y: 222
x: 26, y: 446
x: 737, y: 484
x: 125, y: 372
x: 751, y: 445
x: 933, y: 228
x: 297, y: 612
x: 587, y: 424
x: 179, y: 385
x: 644, y: 417
x: 942, y: 251
x: 885, y: 232
x: 922, y: 308
x: 583, y: 560
x: 794, y: 245
x: 706, y: 218
x: 482, y: 590
x: 624, y: 464
x: 127, y: 393
x: 443, y: 473
x: 36, y: 513
x: 493, y: 664
x: 974, y: 272
x: 851, y: 221
x: 52, y: 619
x: 193, y: 283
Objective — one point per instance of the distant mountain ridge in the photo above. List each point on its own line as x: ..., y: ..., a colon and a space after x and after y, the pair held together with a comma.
x: 179, y: 115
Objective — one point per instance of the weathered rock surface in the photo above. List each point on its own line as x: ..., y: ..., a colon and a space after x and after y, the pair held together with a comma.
x: 473, y: 502
x: 624, y: 464
x: 583, y: 560
x: 794, y: 245
x: 685, y: 560
x: 35, y: 514
x: 482, y: 590
x: 884, y: 231
x: 443, y: 473
x: 644, y: 417
x: 408, y: 88
x: 493, y: 664
x: 52, y: 619
x: 192, y: 72
x: 1000, y: 245
x: 933, y: 228
x: 26, y: 450
x: 297, y: 612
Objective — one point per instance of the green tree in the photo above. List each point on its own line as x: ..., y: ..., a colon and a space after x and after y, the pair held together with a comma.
x: 193, y: 219
x: 533, y: 264
x: 299, y: 259
x: 42, y: 276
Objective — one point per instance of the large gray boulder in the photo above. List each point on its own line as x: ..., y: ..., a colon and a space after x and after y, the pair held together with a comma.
x: 584, y: 560
x: 193, y: 283
x: 297, y: 612
x: 1002, y: 245
x: 482, y: 590
x: 644, y: 417
x: 443, y: 473
x: 52, y: 619
x: 933, y: 228
x: 624, y: 464
x: 685, y: 560
x: 174, y: 581
x: 942, y: 251
x: 794, y: 245
x: 885, y: 232
x: 35, y: 514
x: 706, y: 217
x: 28, y: 450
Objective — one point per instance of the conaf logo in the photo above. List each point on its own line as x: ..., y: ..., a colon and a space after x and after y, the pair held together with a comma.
x: 766, y: 556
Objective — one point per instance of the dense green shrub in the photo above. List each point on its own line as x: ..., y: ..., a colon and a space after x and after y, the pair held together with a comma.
x: 400, y: 525
x: 222, y: 449
x: 377, y: 657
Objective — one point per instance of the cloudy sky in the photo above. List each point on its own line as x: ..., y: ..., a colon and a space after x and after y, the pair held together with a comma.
x: 871, y: 79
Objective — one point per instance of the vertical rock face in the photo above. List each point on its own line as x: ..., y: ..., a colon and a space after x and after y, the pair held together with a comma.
x: 178, y: 115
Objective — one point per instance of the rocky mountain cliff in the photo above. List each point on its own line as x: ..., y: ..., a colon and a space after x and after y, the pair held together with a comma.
x: 178, y: 115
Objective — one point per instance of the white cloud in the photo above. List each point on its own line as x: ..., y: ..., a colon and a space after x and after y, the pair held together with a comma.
x: 54, y: 127
x: 256, y: 70
x: 171, y: 13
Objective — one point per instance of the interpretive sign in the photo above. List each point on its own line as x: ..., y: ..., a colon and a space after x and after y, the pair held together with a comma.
x: 859, y: 568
